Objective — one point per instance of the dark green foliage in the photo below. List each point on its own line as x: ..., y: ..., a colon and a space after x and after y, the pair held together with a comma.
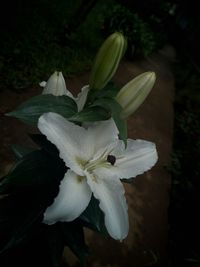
x: 109, y: 91
x: 93, y: 217
x: 100, y: 105
x: 39, y: 37
x: 27, y: 191
x: 47, y: 146
x: 43, y: 248
x: 35, y: 45
x: 20, y: 151
x: 105, y: 100
x: 91, y: 114
x: 32, y: 109
x: 115, y: 109
x: 73, y: 237
x: 32, y: 171
x: 141, y: 37
x: 185, y: 197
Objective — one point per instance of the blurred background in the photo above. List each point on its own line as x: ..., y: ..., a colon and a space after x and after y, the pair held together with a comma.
x: 39, y: 36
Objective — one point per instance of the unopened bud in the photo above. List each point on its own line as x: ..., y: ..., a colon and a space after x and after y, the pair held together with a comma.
x: 133, y: 94
x: 55, y: 85
x: 107, y: 60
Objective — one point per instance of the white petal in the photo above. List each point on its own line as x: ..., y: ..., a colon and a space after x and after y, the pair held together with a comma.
x: 82, y: 97
x: 138, y: 157
x: 104, y: 133
x: 72, y: 199
x: 56, y: 85
x: 43, y: 84
x: 110, y: 193
x: 71, y: 140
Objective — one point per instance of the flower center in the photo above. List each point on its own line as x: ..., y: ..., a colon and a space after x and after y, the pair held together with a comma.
x: 93, y: 164
x: 104, y: 160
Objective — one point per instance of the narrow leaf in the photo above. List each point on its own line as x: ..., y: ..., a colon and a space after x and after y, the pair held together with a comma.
x: 93, y: 217
x: 109, y: 91
x: 91, y: 114
x: 55, y: 243
x: 42, y: 247
x: 32, y: 109
x: 74, y: 238
x: 35, y: 169
x: 20, y: 151
x: 30, y: 187
x: 115, y: 110
x: 42, y: 142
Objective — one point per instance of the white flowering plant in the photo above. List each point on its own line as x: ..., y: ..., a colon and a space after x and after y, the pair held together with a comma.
x: 73, y: 179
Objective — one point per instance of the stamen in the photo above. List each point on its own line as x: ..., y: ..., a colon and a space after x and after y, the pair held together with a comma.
x: 111, y: 159
x: 80, y: 178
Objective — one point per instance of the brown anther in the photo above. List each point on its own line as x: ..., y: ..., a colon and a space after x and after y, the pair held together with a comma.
x: 111, y: 159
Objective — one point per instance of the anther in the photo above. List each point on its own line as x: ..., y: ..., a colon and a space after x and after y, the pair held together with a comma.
x: 111, y: 159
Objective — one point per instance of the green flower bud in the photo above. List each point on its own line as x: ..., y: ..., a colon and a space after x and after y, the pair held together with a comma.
x: 107, y: 60
x: 133, y: 94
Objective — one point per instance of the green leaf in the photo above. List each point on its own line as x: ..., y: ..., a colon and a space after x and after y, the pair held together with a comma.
x: 43, y: 247
x: 109, y: 91
x: 45, y: 144
x: 93, y: 217
x: 32, y: 109
x: 55, y: 243
x: 35, y: 169
x: 122, y: 127
x: 30, y: 187
x: 74, y: 238
x: 115, y: 109
x: 18, y: 216
x: 91, y: 114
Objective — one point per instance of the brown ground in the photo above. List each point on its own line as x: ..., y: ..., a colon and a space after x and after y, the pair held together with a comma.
x: 148, y: 195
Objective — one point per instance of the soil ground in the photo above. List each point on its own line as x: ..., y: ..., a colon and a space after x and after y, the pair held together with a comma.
x: 148, y: 194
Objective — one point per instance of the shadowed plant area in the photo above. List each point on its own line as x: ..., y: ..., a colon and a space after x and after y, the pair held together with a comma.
x: 185, y: 197
x: 41, y: 36
x: 184, y: 221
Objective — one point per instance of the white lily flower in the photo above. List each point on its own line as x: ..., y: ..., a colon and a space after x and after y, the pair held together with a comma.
x: 56, y: 86
x: 97, y: 160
